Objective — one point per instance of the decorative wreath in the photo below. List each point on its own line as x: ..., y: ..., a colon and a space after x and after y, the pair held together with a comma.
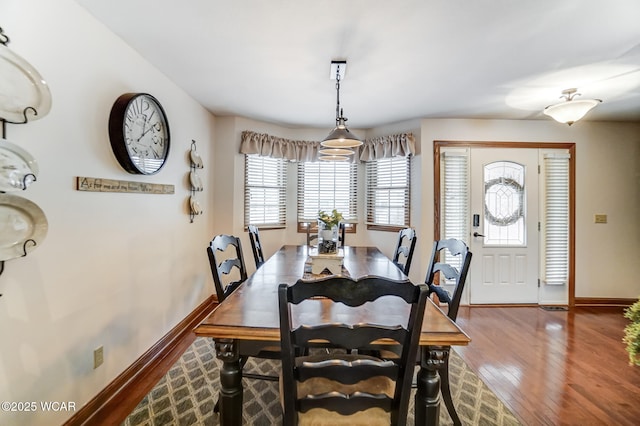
x: 517, y: 213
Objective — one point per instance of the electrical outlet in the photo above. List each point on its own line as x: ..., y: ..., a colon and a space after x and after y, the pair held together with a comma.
x: 98, y: 357
x: 600, y: 218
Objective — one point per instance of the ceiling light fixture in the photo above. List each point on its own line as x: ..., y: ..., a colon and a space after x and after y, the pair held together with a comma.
x: 340, y: 137
x: 571, y: 110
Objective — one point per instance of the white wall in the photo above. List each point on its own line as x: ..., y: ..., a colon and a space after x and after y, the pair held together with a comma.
x: 115, y: 270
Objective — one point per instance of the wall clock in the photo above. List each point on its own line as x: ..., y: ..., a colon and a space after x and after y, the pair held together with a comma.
x: 139, y: 133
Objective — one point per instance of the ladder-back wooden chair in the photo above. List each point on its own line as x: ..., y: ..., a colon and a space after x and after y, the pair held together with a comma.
x: 256, y: 245
x: 341, y: 386
x: 405, y: 246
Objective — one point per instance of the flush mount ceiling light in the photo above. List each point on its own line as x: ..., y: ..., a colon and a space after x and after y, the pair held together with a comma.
x: 571, y: 110
x: 340, y: 137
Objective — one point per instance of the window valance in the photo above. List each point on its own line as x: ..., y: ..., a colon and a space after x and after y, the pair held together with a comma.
x: 400, y: 145
x: 272, y: 146
x: 266, y: 145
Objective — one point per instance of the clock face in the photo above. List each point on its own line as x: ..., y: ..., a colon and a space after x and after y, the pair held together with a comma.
x: 139, y: 133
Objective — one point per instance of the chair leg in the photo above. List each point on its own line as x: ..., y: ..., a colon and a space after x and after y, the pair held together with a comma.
x: 446, y: 393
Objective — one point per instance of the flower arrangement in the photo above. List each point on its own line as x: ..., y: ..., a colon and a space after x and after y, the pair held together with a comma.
x: 330, y: 220
x: 632, y: 333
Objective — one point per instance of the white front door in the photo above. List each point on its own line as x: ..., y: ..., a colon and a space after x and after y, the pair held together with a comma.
x: 504, y: 226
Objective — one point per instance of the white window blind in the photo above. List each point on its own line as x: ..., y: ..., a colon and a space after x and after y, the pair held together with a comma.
x: 454, y: 198
x: 388, y: 191
x: 265, y: 191
x: 555, y: 221
x: 327, y: 186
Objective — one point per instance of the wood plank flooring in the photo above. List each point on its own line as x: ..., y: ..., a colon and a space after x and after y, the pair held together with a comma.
x: 554, y: 368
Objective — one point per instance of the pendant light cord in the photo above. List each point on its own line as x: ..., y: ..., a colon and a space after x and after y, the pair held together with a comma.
x: 338, y: 110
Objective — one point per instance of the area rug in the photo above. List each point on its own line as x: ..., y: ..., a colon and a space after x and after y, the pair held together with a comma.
x: 187, y: 393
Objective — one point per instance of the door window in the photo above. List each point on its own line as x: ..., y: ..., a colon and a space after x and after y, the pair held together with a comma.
x: 504, y: 210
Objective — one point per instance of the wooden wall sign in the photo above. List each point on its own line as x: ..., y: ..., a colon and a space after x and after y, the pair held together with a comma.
x: 109, y: 185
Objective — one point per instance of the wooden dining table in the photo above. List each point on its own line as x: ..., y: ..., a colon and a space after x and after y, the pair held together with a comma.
x: 248, y: 320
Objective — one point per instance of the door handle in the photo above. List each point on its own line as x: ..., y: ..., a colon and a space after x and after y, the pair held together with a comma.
x: 475, y: 234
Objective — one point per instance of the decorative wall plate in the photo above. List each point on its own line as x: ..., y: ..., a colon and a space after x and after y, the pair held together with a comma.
x: 196, y: 160
x: 18, y: 169
x: 24, y: 95
x: 23, y: 226
x: 195, y: 206
x: 196, y: 183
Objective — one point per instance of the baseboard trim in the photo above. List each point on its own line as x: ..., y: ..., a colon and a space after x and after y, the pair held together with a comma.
x: 98, y: 408
x: 596, y: 301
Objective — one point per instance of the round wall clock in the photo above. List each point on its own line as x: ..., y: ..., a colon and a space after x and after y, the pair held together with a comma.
x: 139, y: 133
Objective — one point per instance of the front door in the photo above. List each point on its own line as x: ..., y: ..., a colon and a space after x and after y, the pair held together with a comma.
x: 504, y: 226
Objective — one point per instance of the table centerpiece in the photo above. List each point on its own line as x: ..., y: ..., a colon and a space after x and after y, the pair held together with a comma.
x: 328, y: 231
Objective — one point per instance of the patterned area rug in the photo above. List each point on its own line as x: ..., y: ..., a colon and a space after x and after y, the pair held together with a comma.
x: 187, y: 393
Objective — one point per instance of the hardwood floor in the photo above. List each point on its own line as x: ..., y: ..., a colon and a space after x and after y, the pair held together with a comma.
x: 554, y: 368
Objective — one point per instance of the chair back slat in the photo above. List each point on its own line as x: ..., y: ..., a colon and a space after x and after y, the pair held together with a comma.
x: 351, y: 292
x: 347, y: 336
x: 348, y: 372
x: 347, y: 404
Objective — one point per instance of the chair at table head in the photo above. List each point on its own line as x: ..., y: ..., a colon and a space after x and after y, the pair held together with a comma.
x: 226, y: 261
x: 341, y: 231
x: 403, y: 253
x: 311, y: 236
x: 458, y: 255
x: 341, y: 386
x: 256, y: 245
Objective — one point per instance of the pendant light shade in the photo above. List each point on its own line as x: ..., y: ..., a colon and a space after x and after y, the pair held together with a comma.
x: 570, y: 110
x: 336, y: 151
x: 340, y: 137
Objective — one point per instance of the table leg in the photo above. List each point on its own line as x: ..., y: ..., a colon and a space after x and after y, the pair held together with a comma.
x: 230, y: 382
x: 427, y: 400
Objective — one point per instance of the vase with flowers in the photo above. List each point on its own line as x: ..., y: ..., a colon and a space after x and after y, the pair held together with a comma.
x: 328, y: 231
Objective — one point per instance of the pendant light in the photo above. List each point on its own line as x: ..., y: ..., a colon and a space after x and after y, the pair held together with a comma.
x: 570, y: 110
x: 340, y: 137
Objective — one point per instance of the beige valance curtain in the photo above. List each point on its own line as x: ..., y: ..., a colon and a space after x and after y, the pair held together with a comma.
x: 399, y: 145
x: 272, y: 146
x: 294, y: 150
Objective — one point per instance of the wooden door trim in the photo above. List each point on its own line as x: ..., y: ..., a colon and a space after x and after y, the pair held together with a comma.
x: 570, y: 146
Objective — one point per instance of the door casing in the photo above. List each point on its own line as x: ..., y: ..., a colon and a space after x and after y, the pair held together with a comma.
x: 569, y: 146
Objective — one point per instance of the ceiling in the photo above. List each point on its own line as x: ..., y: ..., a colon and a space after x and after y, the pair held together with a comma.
x: 406, y: 59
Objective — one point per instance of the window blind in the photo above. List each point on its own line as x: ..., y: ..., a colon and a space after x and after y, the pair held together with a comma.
x: 388, y: 191
x: 327, y: 186
x: 555, y: 231
x: 454, y: 198
x: 265, y: 191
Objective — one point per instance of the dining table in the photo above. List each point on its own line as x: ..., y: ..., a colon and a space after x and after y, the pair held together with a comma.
x: 248, y: 320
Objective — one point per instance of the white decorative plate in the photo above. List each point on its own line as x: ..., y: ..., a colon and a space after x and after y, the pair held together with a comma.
x: 195, y: 206
x: 21, y: 88
x: 196, y: 160
x: 23, y: 226
x: 196, y: 183
x: 18, y: 169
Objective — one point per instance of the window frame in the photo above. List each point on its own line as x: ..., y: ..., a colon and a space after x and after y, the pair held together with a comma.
x: 277, y: 170
x: 372, y: 170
